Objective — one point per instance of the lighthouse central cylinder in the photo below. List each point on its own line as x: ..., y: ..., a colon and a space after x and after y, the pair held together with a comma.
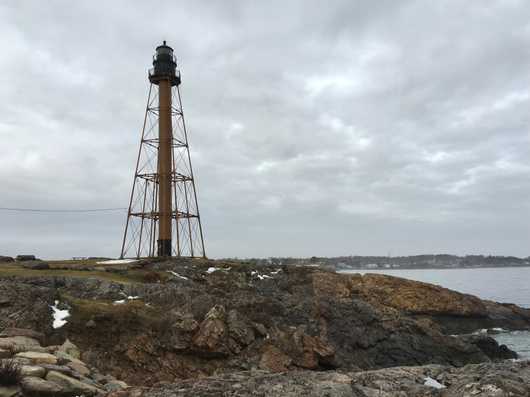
x: 164, y: 168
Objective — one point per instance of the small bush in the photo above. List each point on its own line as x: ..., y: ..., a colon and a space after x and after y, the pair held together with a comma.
x: 9, y: 373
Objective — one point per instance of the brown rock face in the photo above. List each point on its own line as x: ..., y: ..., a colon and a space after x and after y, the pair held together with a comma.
x: 415, y: 297
x: 273, y: 359
x: 240, y: 331
x: 241, y: 316
x: 210, y: 338
x: 304, y: 351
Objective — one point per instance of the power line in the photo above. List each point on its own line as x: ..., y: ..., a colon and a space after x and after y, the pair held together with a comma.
x: 13, y: 209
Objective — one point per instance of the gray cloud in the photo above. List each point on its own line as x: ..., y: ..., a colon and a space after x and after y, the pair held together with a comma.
x: 316, y: 128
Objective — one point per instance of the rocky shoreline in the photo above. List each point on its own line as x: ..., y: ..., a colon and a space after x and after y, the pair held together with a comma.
x: 195, y: 326
x: 54, y: 370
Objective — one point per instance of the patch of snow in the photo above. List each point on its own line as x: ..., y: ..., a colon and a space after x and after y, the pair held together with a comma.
x: 276, y: 271
x: 177, y: 275
x: 433, y: 383
x: 212, y: 269
x: 117, y: 261
x: 127, y: 298
x: 59, y: 316
x: 260, y: 276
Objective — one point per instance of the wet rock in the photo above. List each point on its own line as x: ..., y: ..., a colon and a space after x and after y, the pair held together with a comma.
x: 490, y: 347
x: 37, y: 387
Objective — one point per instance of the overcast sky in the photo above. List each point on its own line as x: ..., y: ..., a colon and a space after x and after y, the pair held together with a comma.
x: 316, y: 128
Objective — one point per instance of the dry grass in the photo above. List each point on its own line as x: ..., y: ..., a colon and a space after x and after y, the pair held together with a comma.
x: 9, y: 373
x: 119, y: 276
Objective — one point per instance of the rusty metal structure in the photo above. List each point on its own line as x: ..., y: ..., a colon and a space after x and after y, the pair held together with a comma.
x: 163, y: 217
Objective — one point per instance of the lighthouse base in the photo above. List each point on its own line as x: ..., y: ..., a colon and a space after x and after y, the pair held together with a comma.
x: 164, y: 247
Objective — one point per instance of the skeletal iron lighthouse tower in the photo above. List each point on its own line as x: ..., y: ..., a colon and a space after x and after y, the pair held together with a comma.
x: 163, y: 217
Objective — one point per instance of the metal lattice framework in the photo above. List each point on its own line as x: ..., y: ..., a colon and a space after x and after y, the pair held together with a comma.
x: 141, y: 231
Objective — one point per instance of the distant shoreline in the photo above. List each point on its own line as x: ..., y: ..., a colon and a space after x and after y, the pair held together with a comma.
x: 431, y: 268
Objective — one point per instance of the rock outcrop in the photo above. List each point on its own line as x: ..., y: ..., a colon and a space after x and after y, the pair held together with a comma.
x: 48, y: 371
x: 477, y: 380
x: 157, y: 321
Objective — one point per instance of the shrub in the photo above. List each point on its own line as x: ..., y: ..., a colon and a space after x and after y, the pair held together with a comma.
x: 9, y: 373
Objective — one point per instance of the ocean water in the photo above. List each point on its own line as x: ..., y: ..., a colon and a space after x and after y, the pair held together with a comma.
x: 506, y: 285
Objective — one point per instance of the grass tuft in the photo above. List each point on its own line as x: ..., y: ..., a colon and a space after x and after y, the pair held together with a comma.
x: 10, y: 374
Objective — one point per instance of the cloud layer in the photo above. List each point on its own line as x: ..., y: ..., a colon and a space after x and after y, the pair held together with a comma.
x: 316, y: 128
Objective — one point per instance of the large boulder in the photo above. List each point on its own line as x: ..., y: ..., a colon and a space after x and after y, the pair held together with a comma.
x: 182, y: 330
x: 8, y: 332
x: 37, y: 357
x: 32, y: 371
x: 9, y: 391
x: 71, y: 386
x: 37, y: 387
x: 20, y: 344
x: 240, y: 331
x: 210, y: 339
x: 70, y: 349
